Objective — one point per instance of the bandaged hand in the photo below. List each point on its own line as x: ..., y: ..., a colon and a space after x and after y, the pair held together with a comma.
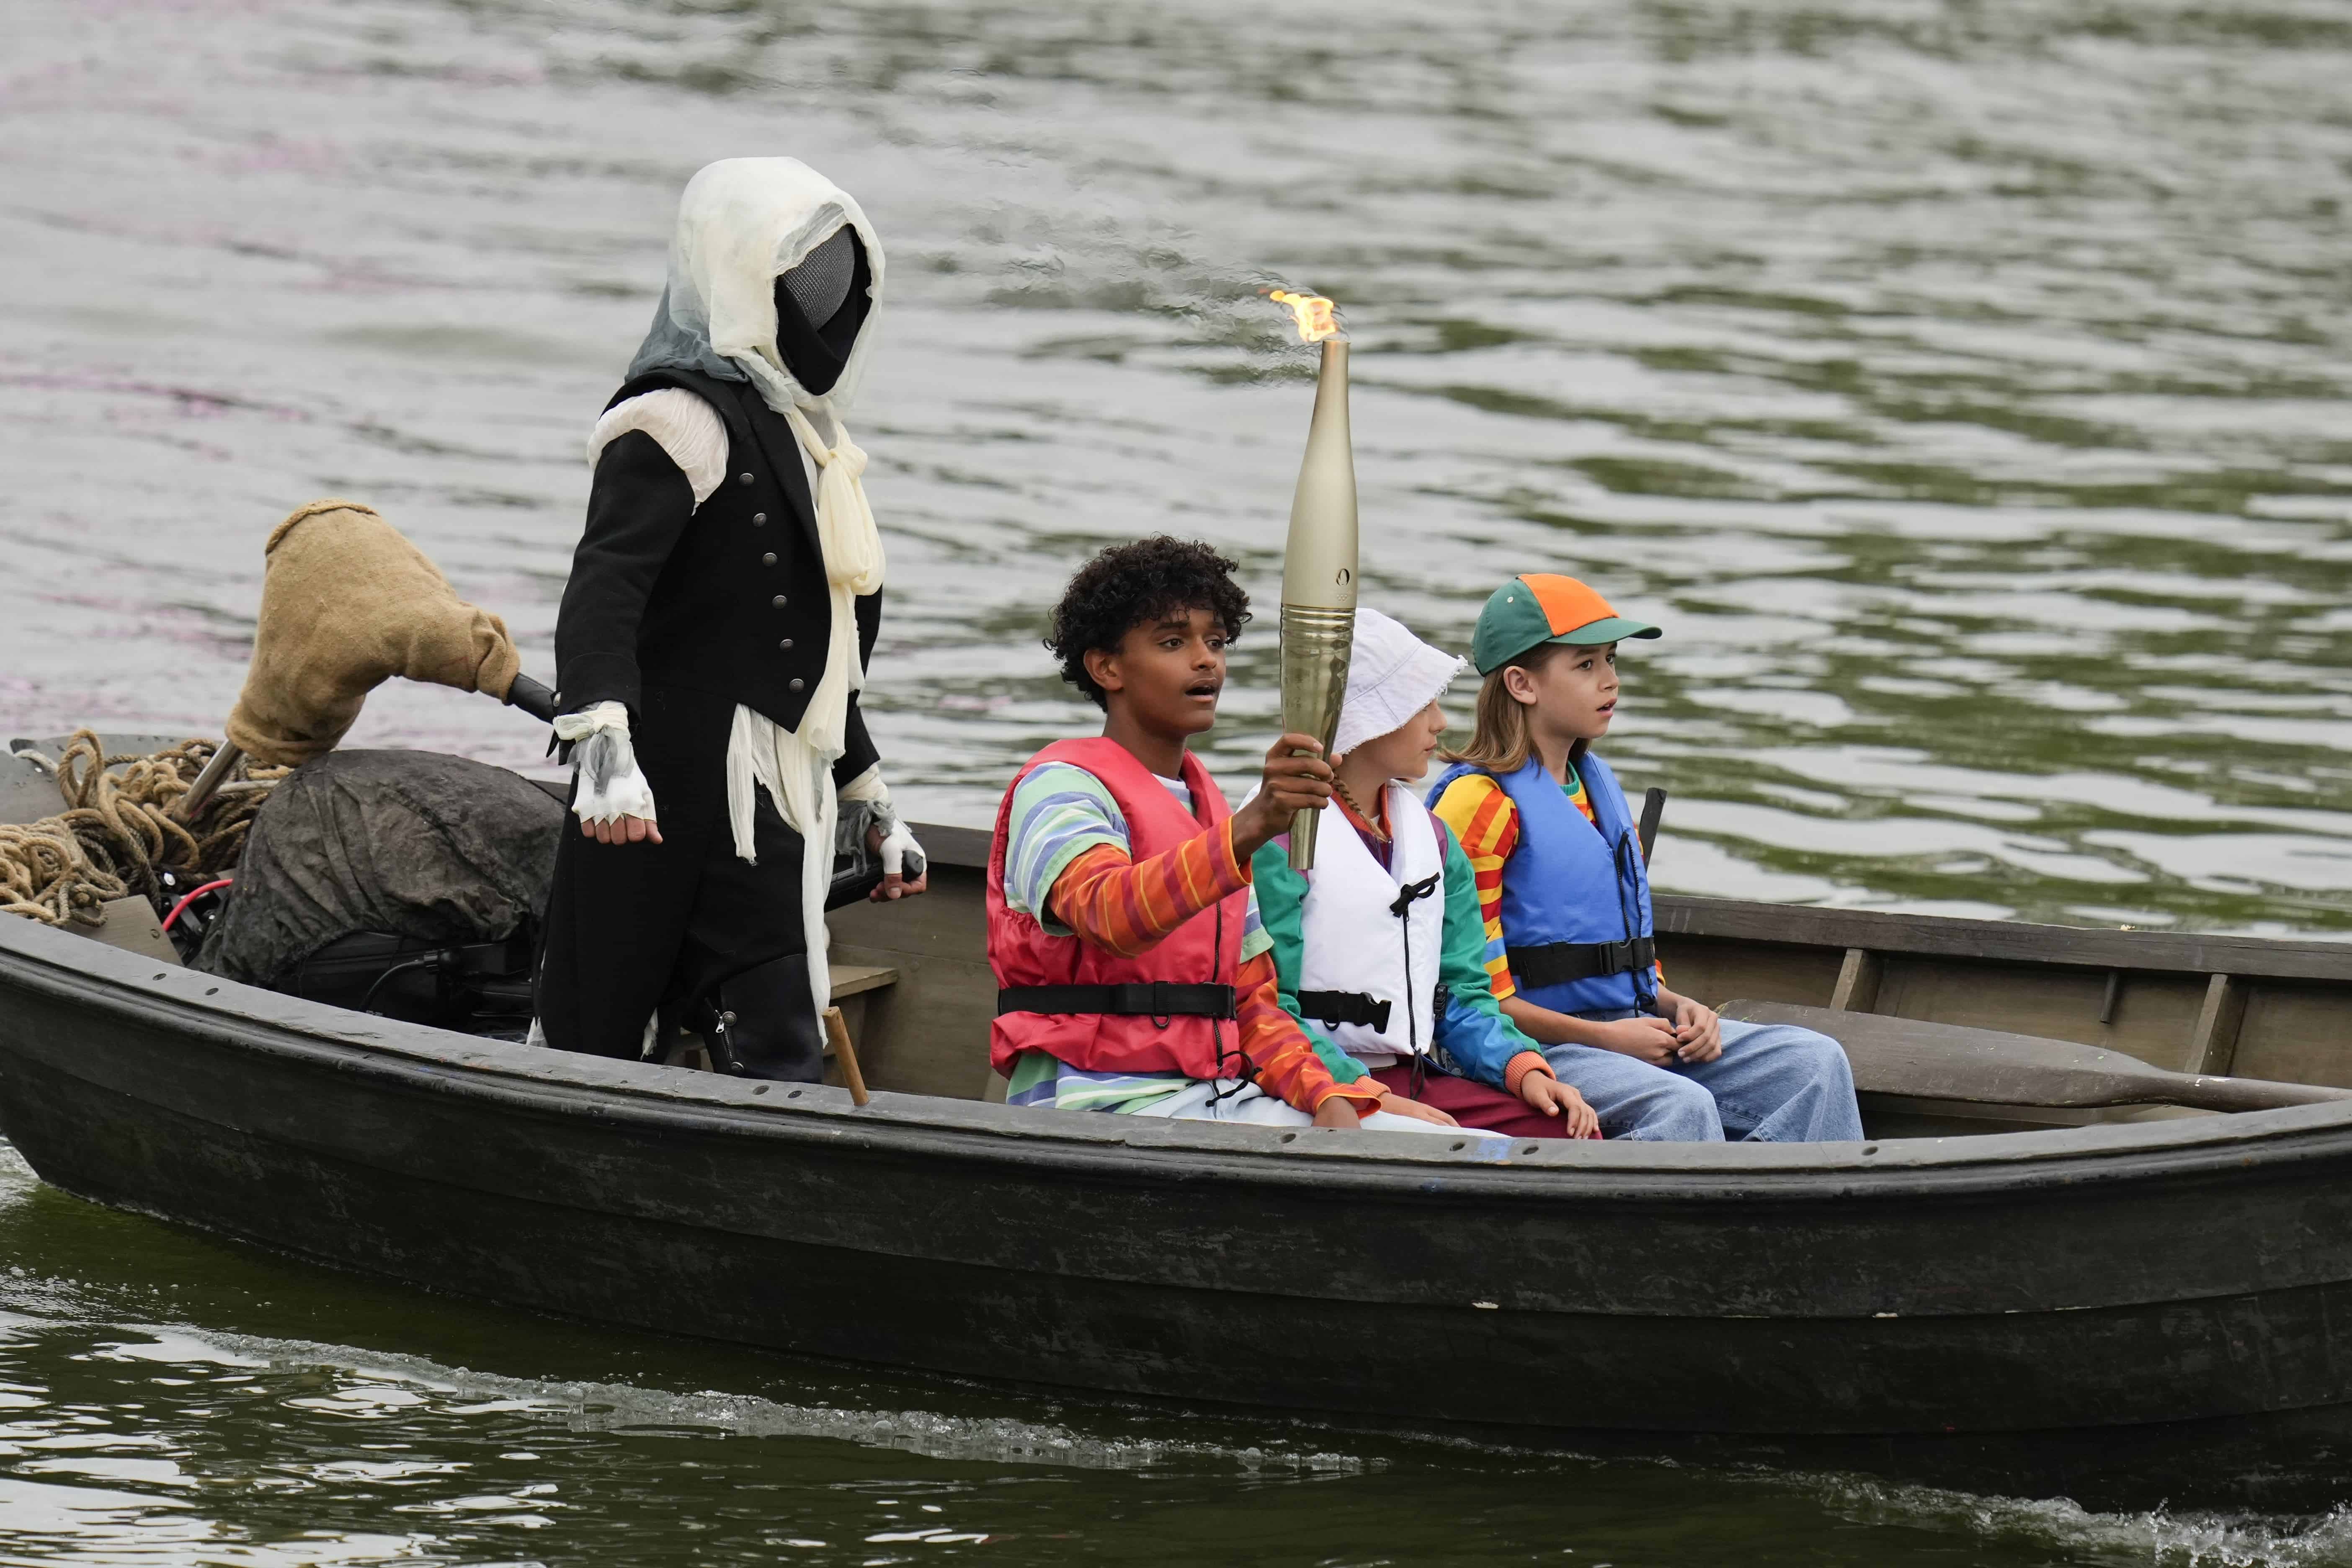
x: 612, y: 799
x: 901, y: 856
x: 905, y: 870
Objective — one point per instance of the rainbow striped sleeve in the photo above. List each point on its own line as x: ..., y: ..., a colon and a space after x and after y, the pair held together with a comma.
x: 1487, y: 824
x: 1059, y: 812
x: 1069, y: 851
x: 1126, y: 907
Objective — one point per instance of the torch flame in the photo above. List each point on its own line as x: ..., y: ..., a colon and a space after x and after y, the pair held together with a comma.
x: 1312, y: 311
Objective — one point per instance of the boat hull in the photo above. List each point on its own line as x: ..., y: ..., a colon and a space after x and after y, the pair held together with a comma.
x: 2021, y: 1314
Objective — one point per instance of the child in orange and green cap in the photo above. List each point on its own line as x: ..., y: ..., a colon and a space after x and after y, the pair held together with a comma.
x: 1566, y: 898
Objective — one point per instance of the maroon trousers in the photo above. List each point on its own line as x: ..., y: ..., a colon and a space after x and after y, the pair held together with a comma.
x: 1472, y: 1103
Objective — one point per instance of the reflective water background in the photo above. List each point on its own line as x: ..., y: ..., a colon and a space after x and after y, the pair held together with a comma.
x: 1961, y: 386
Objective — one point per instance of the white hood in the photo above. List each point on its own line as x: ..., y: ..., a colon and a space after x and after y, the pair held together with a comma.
x: 742, y: 222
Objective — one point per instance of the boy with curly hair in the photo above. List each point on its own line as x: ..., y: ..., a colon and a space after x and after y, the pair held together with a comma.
x: 1134, y: 973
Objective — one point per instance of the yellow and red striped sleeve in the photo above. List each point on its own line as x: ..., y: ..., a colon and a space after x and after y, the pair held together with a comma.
x: 1126, y: 906
x: 1487, y: 824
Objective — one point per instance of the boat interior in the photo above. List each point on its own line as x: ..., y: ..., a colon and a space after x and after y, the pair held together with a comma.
x: 1955, y: 1027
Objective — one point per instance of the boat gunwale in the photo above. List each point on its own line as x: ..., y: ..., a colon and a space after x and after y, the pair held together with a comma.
x: 248, y: 1018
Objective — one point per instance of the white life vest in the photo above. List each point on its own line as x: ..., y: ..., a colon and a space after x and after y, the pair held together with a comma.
x: 1356, y: 937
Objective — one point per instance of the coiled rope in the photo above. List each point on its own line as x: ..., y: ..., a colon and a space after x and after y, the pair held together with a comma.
x: 116, y: 836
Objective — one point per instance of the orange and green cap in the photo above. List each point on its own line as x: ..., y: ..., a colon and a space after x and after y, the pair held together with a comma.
x: 1540, y: 607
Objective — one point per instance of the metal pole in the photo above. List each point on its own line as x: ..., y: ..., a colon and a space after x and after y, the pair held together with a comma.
x: 224, y: 763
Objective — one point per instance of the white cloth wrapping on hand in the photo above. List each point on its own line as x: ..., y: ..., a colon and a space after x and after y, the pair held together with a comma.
x: 895, y: 845
x: 898, y: 841
x: 611, y: 786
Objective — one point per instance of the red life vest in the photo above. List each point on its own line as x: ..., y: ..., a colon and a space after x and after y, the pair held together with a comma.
x: 1206, y: 949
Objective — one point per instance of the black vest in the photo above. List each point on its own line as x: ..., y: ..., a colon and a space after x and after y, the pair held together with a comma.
x: 740, y: 609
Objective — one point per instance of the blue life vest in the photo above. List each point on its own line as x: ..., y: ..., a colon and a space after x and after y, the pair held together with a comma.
x: 1566, y: 883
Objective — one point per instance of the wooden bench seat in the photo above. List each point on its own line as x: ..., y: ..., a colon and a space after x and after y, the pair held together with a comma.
x: 857, y: 979
x: 1913, y: 1059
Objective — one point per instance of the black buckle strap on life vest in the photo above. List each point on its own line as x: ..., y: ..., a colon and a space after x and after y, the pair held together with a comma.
x: 1332, y: 1008
x: 1564, y: 962
x: 1141, y: 999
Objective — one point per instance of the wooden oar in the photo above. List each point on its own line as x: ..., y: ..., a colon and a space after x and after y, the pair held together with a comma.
x: 1945, y: 1061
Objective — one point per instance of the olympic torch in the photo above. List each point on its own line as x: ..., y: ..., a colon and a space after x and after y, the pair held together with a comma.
x: 1318, y: 567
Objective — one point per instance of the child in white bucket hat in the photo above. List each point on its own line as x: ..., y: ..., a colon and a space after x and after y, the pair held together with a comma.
x: 1380, y: 950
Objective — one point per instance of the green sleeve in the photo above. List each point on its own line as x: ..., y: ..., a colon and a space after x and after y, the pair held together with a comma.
x: 1462, y: 948
x: 1282, y: 906
x: 1474, y: 1029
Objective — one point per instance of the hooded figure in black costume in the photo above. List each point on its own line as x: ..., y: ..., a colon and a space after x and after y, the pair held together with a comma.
x: 713, y: 637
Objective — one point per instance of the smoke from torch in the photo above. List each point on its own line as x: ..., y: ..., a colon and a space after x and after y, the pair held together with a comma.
x: 1318, y: 567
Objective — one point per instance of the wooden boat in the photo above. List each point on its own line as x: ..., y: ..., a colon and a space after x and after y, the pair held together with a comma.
x: 2126, y: 1303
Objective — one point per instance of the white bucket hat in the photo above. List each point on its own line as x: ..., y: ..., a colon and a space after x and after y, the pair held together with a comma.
x: 1391, y: 676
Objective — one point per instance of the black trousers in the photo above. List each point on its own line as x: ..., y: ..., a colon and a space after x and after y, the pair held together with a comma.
x: 633, y: 928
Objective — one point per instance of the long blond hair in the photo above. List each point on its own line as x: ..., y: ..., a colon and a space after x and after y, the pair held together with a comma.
x: 1501, y: 741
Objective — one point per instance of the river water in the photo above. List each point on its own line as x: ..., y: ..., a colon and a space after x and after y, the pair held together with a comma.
x: 1961, y: 385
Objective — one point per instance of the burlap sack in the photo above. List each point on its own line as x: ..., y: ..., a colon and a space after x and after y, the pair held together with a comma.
x: 346, y: 604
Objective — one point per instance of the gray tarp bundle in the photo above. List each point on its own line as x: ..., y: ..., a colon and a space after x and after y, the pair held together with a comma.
x: 414, y: 843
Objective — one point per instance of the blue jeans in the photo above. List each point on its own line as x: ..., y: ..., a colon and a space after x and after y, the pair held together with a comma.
x: 1774, y: 1083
